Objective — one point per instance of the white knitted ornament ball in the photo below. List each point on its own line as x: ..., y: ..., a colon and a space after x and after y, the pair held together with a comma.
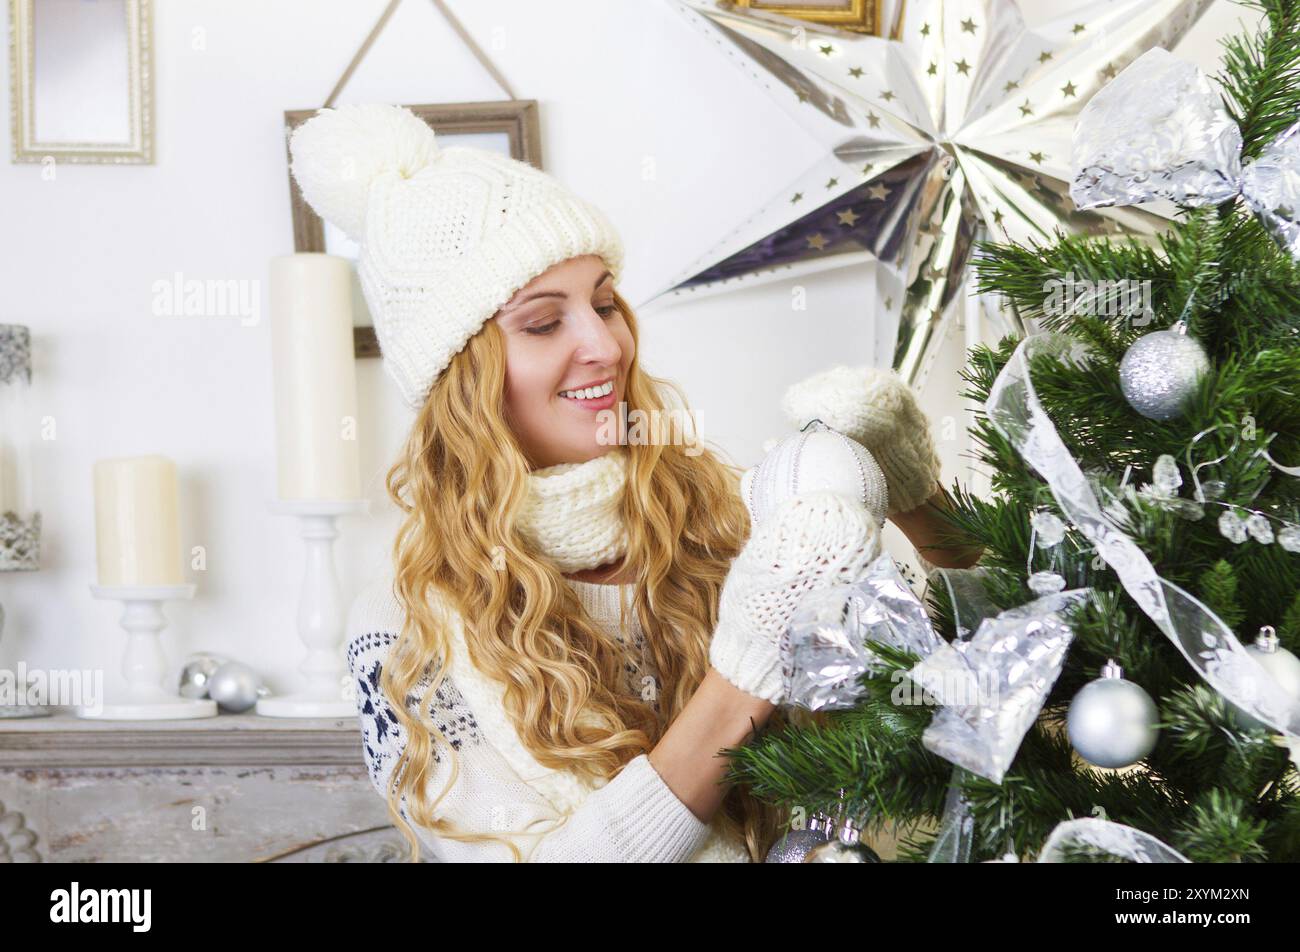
x: 876, y: 408
x: 338, y: 155
x: 814, y: 460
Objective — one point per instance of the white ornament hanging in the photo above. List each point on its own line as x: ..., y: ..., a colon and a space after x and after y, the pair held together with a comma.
x: 1277, y: 661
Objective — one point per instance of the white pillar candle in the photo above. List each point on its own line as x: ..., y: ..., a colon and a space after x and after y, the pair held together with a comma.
x: 137, y: 530
x: 314, y: 364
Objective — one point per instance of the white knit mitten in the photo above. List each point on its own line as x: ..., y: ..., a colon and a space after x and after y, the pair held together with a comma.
x: 810, y: 542
x: 878, y: 410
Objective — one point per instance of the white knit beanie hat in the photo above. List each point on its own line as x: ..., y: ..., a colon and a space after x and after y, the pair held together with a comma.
x: 446, y: 235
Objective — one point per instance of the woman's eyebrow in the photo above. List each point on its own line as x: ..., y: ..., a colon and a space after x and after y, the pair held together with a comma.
x: 558, y: 294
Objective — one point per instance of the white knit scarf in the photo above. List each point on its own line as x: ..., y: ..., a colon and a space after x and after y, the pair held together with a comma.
x: 573, y: 513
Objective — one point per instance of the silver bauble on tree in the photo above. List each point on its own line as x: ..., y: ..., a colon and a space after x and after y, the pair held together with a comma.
x: 1161, y: 370
x: 1278, y: 662
x: 847, y: 847
x: 1112, y: 721
x: 796, y: 844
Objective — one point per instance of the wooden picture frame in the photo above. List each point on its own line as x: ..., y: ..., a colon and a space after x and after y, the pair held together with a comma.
x: 513, y: 123
x: 860, y: 16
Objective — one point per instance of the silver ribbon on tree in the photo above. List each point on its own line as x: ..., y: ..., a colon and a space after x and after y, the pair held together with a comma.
x: 1200, y: 635
x: 1110, y: 837
x: 1160, y: 130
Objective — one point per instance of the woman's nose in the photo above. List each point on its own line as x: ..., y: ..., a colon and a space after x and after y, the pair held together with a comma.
x: 596, y: 343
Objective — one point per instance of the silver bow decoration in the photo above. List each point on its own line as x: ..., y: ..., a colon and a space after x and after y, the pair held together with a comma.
x: 1160, y: 130
x: 1114, y: 838
x: 992, y: 686
x: 1200, y: 635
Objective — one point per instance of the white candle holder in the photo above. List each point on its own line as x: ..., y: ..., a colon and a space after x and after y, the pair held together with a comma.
x: 144, y: 664
x: 321, y: 614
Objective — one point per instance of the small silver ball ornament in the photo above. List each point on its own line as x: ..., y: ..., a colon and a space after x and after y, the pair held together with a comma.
x: 198, y: 671
x: 1161, y: 370
x: 234, y: 686
x: 1112, y: 721
x: 795, y: 845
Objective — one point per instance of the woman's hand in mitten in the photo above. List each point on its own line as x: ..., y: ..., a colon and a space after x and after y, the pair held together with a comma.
x: 876, y: 408
x: 810, y: 542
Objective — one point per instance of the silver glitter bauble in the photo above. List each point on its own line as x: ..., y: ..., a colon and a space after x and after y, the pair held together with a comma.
x: 1277, y: 661
x: 234, y: 687
x: 198, y: 671
x: 1113, y: 722
x: 796, y: 844
x: 1161, y: 370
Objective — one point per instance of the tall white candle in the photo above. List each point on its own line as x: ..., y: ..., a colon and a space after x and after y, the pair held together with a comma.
x: 137, y: 530
x: 314, y: 364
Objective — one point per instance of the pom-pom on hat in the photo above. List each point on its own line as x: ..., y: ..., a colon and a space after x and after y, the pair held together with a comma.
x: 447, y: 235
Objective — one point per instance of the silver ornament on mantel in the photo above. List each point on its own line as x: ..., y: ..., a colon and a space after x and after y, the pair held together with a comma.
x: 815, y: 459
x: 847, y: 847
x: 1112, y: 721
x: 197, y: 672
x: 234, y: 686
x: 1277, y: 661
x: 1161, y: 370
x: 796, y: 844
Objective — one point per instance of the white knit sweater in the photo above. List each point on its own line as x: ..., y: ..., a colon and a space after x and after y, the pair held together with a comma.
x: 550, y: 815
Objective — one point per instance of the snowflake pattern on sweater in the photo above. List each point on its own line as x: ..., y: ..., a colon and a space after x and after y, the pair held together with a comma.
x: 382, y: 736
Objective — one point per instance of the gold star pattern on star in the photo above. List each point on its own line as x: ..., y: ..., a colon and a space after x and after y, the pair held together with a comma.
x: 874, y: 120
x: 878, y: 192
x: 1011, y: 84
x: 855, y: 72
x: 798, y: 196
x: 1027, y: 109
x: 1108, y: 71
x: 887, y: 95
x: 1044, y: 56
x: 1069, y: 89
x: 817, y: 241
x: 925, y: 29
x: 847, y: 217
x: 1078, y: 28
x: 933, y: 69
x: 832, y: 183
x: 1036, y: 157
x: 826, y: 49
x: 968, y: 25
x: 963, y: 67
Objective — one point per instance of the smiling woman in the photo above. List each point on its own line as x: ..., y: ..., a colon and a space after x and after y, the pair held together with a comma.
x: 568, y: 350
x: 513, y: 706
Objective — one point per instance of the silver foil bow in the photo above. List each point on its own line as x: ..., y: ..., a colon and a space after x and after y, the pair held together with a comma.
x: 829, y: 631
x: 1201, y: 636
x: 1160, y: 130
x: 993, y: 685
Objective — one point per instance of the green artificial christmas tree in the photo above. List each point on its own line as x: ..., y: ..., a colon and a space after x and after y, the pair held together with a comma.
x: 1185, y: 440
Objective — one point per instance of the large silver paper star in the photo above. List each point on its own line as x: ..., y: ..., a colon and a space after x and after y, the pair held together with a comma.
x: 961, y: 128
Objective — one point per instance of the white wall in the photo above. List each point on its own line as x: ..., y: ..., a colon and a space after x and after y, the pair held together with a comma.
x: 618, y: 80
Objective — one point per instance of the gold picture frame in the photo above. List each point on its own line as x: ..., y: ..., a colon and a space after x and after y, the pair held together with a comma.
x: 511, y: 124
x: 135, y: 94
x: 860, y: 16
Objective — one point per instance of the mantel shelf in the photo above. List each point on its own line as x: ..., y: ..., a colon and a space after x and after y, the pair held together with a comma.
x: 65, y: 740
